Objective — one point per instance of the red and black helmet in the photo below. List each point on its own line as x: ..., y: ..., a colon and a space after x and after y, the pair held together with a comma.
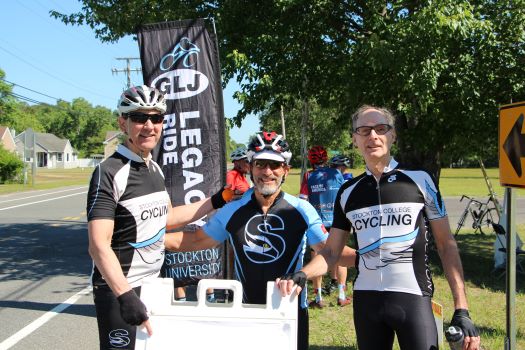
x: 317, y: 155
x: 269, y: 145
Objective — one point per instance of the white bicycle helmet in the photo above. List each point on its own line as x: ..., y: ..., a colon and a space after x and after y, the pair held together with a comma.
x: 238, y: 154
x: 269, y: 145
x: 141, y: 97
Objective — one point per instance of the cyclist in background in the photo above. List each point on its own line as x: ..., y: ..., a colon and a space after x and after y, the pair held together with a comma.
x: 322, y: 185
x: 341, y: 163
x: 128, y: 209
x: 385, y: 208
x: 237, y: 176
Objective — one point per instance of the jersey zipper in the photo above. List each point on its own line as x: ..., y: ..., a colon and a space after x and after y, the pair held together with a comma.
x: 378, y: 189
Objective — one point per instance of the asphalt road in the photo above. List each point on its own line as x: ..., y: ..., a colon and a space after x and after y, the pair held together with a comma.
x: 45, y: 301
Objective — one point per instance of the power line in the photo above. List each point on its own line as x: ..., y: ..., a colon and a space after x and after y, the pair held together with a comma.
x: 51, y: 75
x: 23, y: 87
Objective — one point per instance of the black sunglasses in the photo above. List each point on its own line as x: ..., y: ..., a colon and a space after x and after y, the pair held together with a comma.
x: 142, y: 118
x: 380, y: 129
x: 263, y: 163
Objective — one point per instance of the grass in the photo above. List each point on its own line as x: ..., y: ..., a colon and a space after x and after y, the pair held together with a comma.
x: 332, y: 327
x: 51, y: 178
x: 453, y: 182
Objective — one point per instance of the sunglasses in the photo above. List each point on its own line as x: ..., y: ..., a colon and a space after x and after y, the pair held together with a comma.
x: 142, y: 118
x: 263, y: 163
x: 380, y: 129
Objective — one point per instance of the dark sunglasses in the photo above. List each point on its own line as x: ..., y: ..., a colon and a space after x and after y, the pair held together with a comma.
x: 263, y: 163
x: 142, y: 118
x: 380, y: 129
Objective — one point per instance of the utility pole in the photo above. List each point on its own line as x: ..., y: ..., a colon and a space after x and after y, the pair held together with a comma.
x: 128, y: 68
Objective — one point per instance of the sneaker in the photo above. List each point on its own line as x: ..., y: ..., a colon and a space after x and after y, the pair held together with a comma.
x: 344, y: 302
x: 330, y: 287
x: 314, y: 304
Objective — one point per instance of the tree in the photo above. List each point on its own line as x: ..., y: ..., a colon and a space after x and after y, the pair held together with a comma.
x: 10, y: 166
x: 443, y: 66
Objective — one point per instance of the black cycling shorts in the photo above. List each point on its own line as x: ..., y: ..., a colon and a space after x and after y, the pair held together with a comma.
x: 113, y: 331
x: 380, y: 315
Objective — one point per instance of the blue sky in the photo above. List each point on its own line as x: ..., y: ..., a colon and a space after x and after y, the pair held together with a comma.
x: 40, y: 53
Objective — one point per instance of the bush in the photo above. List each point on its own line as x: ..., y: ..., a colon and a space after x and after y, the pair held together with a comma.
x: 11, y: 166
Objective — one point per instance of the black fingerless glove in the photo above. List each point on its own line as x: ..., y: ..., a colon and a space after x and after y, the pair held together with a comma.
x: 462, y: 320
x: 132, y: 310
x: 298, y: 277
x: 217, y: 200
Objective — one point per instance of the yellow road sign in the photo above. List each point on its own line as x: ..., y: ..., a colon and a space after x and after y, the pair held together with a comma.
x: 511, y: 145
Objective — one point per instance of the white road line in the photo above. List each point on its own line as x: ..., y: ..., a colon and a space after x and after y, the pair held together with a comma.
x: 44, y: 200
x: 43, y: 194
x: 33, y: 326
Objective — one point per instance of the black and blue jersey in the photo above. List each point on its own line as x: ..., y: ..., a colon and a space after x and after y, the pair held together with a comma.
x: 266, y: 246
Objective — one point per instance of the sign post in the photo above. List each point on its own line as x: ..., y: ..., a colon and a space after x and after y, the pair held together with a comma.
x: 511, y: 149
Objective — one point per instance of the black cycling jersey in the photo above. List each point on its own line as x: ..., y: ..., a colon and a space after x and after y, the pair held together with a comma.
x: 388, y: 221
x: 266, y: 246
x: 132, y: 193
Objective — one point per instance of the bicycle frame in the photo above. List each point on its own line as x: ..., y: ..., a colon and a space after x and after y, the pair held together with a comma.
x: 482, y: 215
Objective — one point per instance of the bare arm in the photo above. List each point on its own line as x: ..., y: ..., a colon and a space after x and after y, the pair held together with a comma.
x: 184, y: 214
x: 328, y: 254
x: 449, y: 255
x: 189, y: 241
x: 333, y: 252
x: 100, y: 233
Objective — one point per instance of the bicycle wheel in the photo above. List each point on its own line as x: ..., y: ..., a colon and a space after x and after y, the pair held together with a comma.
x: 461, y: 221
x: 485, y: 224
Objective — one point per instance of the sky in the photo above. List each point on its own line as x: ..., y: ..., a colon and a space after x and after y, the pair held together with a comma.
x: 48, y: 60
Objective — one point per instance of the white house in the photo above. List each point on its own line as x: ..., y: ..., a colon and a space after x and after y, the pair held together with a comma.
x: 51, y: 152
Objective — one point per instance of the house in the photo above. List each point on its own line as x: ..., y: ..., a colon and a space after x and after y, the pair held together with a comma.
x: 52, y: 152
x: 6, y: 139
x: 111, y: 142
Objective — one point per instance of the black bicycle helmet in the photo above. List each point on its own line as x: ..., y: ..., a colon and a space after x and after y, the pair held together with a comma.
x: 269, y: 145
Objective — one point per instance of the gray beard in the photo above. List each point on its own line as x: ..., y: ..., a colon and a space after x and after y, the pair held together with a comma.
x: 268, y: 190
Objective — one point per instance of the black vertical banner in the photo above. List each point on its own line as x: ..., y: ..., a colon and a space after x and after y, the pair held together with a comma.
x: 181, y: 59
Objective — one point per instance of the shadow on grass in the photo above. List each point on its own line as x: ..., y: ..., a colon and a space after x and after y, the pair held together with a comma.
x: 477, y: 257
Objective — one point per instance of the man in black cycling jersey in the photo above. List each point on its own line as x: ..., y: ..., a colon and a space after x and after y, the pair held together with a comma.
x: 386, y: 208
x: 266, y: 227
x: 128, y: 208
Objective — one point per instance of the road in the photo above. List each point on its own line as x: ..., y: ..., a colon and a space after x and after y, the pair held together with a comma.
x: 44, y: 266
x: 45, y: 301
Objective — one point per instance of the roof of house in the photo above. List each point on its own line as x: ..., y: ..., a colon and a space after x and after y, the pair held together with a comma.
x: 3, y: 131
x: 46, y: 142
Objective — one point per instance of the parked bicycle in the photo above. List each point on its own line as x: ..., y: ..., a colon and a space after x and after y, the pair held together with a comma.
x: 482, y: 215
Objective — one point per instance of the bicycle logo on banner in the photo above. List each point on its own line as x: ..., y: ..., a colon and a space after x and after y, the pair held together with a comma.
x: 184, y: 51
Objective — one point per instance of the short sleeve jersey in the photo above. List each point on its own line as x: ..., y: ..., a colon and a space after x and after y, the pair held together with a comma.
x: 237, y: 180
x: 132, y: 194
x: 388, y: 219
x: 323, y: 184
x: 266, y: 246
